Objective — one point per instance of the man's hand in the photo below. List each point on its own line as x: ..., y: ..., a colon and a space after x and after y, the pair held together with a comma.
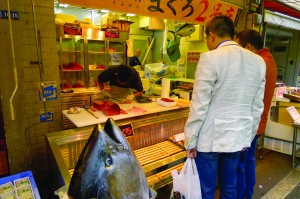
x: 130, y: 97
x: 191, y: 153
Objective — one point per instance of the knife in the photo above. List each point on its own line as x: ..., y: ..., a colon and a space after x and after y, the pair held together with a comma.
x: 109, y: 97
x: 90, y: 111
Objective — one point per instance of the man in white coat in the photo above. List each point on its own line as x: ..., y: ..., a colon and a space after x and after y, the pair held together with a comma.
x: 225, y: 110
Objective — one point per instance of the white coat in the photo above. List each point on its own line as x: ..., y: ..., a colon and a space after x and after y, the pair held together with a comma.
x: 227, y: 99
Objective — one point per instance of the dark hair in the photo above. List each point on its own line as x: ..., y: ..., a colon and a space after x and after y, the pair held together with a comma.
x: 124, y: 73
x: 252, y: 37
x: 221, y: 25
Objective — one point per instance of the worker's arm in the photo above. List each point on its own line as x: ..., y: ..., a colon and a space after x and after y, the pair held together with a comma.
x: 136, y: 94
x: 101, y: 85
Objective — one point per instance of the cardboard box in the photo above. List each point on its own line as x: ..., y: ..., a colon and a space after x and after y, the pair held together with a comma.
x: 283, y: 115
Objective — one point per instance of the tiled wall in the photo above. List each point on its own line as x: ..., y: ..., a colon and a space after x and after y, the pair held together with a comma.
x: 25, y: 135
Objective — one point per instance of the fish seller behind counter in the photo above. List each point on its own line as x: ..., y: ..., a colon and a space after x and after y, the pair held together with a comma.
x: 122, y: 80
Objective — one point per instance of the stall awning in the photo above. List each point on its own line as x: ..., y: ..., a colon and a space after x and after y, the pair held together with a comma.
x: 284, y: 8
x: 281, y: 20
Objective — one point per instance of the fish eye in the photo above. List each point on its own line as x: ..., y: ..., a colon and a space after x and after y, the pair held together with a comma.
x: 108, y: 161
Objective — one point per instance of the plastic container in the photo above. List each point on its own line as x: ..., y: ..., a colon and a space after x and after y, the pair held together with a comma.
x: 166, y: 104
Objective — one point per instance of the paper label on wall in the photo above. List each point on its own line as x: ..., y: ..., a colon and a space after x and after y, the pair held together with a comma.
x: 50, y: 90
x: 48, y: 117
x: 193, y: 11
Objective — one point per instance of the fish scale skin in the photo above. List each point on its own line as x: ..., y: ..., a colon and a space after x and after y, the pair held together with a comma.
x: 124, y: 178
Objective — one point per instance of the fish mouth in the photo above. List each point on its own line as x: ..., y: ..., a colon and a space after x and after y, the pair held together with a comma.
x: 116, y: 135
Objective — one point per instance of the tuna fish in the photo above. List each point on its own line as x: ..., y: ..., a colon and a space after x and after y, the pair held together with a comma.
x: 185, y: 30
x: 108, y: 169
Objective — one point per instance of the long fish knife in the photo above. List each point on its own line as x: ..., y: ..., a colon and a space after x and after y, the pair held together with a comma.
x: 109, y: 97
x: 90, y: 111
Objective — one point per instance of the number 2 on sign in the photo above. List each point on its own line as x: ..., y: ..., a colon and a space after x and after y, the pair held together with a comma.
x: 204, y: 4
x: 200, y: 17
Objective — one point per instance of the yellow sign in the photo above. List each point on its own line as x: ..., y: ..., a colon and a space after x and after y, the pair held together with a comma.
x: 193, y: 11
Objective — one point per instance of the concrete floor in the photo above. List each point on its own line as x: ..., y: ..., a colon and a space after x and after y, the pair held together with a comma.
x: 275, y: 178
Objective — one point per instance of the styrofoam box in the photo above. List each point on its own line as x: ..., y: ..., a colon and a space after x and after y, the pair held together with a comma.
x: 21, y: 182
x: 6, y: 189
x: 25, y: 174
x: 24, y: 191
x: 166, y: 104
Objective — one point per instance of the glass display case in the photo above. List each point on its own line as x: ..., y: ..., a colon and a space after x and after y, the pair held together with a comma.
x: 151, y: 142
x: 116, y: 53
x: 72, y: 62
x: 82, y: 59
x: 96, y: 60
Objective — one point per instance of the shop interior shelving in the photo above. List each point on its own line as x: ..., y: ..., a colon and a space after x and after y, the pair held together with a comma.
x: 82, y: 59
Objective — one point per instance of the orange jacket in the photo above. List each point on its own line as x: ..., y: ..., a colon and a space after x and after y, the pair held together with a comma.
x: 271, y: 78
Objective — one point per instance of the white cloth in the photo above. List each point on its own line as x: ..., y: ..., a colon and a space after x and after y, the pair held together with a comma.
x: 227, y: 99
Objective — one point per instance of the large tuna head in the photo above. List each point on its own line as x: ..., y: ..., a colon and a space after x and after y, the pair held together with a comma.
x: 108, y: 169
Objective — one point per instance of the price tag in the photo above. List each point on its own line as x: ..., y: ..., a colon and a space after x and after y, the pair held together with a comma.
x: 126, y: 130
x: 179, y: 137
x: 293, y: 113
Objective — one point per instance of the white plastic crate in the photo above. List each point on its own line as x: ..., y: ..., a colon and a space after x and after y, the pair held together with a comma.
x: 279, y: 145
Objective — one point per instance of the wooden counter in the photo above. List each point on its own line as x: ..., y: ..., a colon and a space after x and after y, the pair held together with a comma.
x: 84, y: 118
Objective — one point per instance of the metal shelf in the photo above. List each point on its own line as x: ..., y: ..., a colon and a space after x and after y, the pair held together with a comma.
x: 72, y: 70
x: 72, y: 51
x: 96, y: 69
x: 116, y: 52
x: 96, y: 52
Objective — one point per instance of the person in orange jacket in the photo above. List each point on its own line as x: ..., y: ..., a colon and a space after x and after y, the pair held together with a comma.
x: 246, y: 178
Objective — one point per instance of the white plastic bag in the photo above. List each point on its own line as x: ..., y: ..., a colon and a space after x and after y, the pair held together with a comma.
x: 186, y: 185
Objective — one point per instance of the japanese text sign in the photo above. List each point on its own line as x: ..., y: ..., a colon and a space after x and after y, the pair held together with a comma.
x: 193, y: 11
